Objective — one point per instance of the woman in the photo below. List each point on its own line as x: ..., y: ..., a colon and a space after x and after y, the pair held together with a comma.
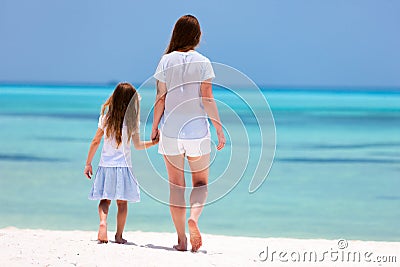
x: 184, y: 101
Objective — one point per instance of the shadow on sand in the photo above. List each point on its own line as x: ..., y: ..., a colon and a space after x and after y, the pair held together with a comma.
x: 152, y: 246
x: 169, y: 248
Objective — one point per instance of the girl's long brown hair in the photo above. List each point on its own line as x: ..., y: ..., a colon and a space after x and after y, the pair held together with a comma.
x: 186, y: 34
x: 122, y: 105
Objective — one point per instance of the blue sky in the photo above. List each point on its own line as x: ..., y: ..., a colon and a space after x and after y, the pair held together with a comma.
x: 276, y: 43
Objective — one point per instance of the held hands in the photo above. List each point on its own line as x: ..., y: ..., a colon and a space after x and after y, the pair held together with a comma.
x: 88, y: 171
x: 155, y: 136
x: 155, y: 141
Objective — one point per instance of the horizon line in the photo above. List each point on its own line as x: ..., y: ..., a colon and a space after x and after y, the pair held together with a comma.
x: 263, y: 87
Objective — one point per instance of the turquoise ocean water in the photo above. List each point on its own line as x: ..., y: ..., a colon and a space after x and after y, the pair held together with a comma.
x: 336, y: 172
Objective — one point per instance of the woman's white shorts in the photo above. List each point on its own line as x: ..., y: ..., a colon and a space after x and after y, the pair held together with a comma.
x: 189, y: 147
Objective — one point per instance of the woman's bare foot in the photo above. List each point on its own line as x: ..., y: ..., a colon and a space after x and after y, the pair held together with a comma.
x: 182, y: 245
x: 119, y: 239
x: 195, y: 236
x: 102, y: 235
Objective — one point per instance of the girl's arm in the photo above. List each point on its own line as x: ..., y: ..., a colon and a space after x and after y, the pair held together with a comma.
x: 92, y: 151
x: 143, y: 144
x: 159, y: 107
x: 211, y: 109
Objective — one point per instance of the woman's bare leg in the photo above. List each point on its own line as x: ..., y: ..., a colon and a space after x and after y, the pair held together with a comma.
x: 199, y: 167
x: 176, y: 177
x: 103, y: 212
x: 121, y: 219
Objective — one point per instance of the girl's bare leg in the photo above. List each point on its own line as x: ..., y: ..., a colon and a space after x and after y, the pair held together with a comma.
x: 103, y: 212
x: 121, y: 220
x: 199, y: 167
x: 177, y: 205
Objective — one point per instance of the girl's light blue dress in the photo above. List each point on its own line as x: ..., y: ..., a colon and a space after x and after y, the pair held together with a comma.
x: 115, y: 183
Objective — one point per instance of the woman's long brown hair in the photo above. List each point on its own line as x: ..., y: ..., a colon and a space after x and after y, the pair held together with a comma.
x: 186, y: 34
x: 122, y: 105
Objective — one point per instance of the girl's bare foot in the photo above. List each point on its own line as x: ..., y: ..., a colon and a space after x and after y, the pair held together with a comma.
x: 195, y: 236
x: 182, y: 245
x: 119, y: 239
x: 102, y: 235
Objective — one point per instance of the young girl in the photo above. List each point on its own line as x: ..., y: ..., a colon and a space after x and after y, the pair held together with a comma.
x: 119, y: 122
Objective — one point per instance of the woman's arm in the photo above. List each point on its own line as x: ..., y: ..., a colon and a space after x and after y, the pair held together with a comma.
x: 211, y: 109
x: 143, y: 144
x: 159, y: 107
x: 92, y: 151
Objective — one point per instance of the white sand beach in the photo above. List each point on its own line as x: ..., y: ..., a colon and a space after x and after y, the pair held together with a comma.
x: 25, y: 247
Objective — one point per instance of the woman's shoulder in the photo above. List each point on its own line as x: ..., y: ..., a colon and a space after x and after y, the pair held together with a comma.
x: 200, y: 57
x: 175, y: 58
x: 169, y: 55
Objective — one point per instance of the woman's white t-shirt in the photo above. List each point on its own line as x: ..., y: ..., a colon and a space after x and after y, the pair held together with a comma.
x: 184, y: 116
x: 111, y: 156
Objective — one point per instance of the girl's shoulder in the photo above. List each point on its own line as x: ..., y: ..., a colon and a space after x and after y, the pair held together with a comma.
x: 101, y: 121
